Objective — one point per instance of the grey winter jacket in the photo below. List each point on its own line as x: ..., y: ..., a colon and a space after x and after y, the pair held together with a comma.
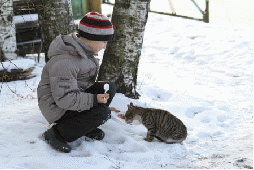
x: 71, y: 69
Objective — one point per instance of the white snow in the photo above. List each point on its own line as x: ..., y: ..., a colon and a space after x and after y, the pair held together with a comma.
x: 199, y: 72
x: 17, y: 19
x: 20, y: 63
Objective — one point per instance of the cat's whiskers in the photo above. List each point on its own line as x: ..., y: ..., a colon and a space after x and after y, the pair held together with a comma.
x: 138, y: 118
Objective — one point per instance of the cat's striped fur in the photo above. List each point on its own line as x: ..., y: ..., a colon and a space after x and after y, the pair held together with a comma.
x: 159, y: 123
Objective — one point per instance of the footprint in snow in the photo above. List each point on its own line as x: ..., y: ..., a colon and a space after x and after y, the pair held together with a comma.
x: 192, y: 111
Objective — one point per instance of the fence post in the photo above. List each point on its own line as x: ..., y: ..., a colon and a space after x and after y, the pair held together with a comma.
x: 206, y: 15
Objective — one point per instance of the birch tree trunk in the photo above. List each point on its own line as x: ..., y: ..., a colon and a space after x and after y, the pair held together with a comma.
x: 7, y: 30
x: 55, y: 17
x: 121, y: 57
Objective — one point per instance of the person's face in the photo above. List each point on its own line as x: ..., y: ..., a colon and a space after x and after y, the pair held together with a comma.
x: 96, y: 46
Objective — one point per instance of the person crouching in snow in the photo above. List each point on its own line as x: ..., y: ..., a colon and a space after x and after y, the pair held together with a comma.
x: 68, y: 95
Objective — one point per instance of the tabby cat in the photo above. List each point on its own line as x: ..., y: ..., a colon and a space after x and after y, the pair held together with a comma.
x: 159, y: 123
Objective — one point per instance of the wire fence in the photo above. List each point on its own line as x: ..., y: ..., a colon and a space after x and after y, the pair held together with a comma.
x: 190, y: 9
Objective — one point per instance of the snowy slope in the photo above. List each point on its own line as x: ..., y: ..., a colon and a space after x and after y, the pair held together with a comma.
x: 201, y: 73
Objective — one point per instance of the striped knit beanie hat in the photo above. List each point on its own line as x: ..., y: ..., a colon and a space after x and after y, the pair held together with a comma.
x: 96, y: 27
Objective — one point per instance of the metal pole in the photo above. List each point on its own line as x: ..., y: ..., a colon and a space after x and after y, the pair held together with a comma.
x: 198, y: 7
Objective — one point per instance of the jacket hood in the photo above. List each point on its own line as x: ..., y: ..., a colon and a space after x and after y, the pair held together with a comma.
x: 66, y: 44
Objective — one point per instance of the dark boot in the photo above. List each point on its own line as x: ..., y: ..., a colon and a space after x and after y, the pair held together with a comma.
x: 96, y: 134
x: 53, y: 138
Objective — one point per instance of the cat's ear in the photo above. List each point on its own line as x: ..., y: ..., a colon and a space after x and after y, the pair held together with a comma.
x: 130, y: 106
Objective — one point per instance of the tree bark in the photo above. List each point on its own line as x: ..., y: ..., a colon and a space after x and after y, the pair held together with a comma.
x: 121, y: 57
x: 2, y: 58
x: 55, y: 17
x: 7, y: 30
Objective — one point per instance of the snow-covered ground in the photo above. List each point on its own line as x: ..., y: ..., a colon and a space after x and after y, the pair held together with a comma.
x: 201, y: 73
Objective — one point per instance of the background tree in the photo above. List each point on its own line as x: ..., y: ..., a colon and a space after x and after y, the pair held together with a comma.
x: 121, y: 58
x: 7, y: 30
x: 55, y: 17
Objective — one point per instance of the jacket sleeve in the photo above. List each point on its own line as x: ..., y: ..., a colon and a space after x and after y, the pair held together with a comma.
x: 64, y: 86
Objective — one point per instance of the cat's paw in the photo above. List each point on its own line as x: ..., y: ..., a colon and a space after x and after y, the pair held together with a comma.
x: 148, y: 139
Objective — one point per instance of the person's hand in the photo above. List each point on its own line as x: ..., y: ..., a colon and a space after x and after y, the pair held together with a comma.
x: 122, y: 116
x: 102, y: 98
x: 114, y: 109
